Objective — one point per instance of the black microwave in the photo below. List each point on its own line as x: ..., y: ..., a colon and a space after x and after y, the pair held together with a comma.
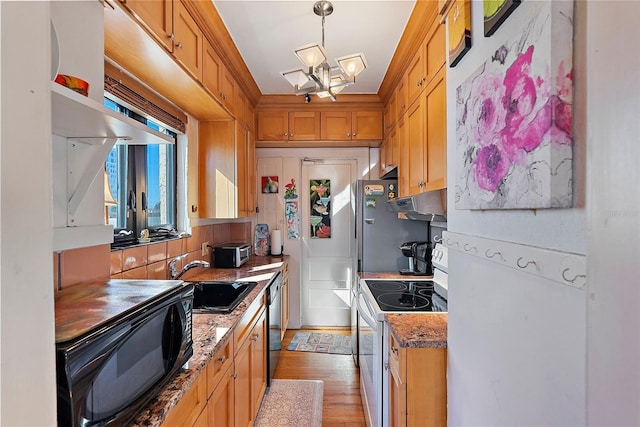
x: 117, y: 345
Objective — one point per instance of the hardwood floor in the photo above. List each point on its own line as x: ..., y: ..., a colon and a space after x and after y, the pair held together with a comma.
x: 341, y: 403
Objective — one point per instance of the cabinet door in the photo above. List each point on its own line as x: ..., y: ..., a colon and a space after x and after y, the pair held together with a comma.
x: 211, y: 69
x: 216, y: 170
x: 285, y: 306
x: 188, y: 40
x: 273, y: 126
x: 436, y: 51
x: 401, y: 98
x: 366, y: 125
x: 403, y: 157
x: 383, y: 153
x: 242, y: 170
x: 252, y: 199
x: 242, y: 388
x: 415, y: 75
x: 335, y: 125
x: 157, y: 16
x: 415, y: 146
x: 258, y: 363
x: 228, y: 90
x: 304, y: 126
x: 436, y: 134
x: 221, y: 405
x: 397, y: 401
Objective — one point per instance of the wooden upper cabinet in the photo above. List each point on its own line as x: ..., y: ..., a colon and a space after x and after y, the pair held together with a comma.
x: 241, y: 108
x: 366, y: 125
x: 429, y: 58
x: 304, y: 126
x: 415, y: 76
x: 157, y: 16
x: 335, y: 125
x: 228, y: 90
x: 211, y: 69
x: 436, y: 134
x: 436, y: 51
x: 273, y: 126
x: 187, y: 42
x: 401, y: 99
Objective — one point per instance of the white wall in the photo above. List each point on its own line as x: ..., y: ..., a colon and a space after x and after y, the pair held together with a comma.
x: 286, y: 164
x: 27, y: 370
x: 517, y: 342
x: 613, y: 109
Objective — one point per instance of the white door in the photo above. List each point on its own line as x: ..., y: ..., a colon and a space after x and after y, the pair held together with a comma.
x: 327, y: 262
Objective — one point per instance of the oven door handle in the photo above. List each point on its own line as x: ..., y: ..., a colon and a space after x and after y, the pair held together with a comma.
x: 365, y: 313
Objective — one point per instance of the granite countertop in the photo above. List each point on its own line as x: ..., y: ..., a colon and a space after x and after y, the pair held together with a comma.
x: 210, y: 332
x: 419, y: 330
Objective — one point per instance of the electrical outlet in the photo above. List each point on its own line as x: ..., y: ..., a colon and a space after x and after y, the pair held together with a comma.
x: 205, y: 248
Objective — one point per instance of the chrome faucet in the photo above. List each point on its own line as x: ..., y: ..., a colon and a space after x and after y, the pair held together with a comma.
x: 175, y: 275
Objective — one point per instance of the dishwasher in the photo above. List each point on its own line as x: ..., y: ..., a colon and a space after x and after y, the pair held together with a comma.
x: 274, y: 318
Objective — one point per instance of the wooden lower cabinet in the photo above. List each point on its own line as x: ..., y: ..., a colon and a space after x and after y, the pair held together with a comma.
x: 230, y: 389
x: 417, y: 386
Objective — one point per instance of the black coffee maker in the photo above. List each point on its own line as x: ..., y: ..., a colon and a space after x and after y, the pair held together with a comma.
x: 419, y: 258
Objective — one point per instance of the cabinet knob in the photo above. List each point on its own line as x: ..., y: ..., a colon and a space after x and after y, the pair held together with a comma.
x: 285, y: 134
x: 348, y: 133
x: 179, y: 45
x: 354, y: 134
x: 223, y: 359
x: 172, y: 37
x: 386, y: 366
x: 235, y: 375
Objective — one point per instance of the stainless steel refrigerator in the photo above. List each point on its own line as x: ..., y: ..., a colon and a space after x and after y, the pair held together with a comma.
x: 379, y: 232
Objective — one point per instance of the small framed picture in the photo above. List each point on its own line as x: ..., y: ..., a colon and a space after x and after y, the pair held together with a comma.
x: 270, y: 184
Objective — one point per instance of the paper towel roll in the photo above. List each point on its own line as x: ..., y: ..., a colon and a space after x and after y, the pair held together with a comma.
x: 276, y: 242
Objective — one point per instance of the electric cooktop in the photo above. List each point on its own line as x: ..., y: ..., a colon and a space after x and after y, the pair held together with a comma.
x: 406, y: 295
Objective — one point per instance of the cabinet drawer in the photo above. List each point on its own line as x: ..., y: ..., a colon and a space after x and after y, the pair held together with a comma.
x: 220, y: 362
x: 243, y: 328
x: 188, y: 409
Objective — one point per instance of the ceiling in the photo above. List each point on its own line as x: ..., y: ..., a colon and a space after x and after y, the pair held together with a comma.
x: 267, y: 32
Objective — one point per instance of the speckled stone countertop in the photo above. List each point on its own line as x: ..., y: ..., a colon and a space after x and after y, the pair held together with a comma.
x: 210, y: 332
x: 419, y: 330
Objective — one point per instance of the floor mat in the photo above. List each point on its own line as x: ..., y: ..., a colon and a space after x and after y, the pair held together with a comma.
x: 292, y: 403
x: 321, y: 343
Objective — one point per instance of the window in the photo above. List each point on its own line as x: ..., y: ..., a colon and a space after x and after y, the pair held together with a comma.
x: 143, y: 183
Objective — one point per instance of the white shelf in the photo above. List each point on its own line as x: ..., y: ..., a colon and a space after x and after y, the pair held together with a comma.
x: 81, y: 118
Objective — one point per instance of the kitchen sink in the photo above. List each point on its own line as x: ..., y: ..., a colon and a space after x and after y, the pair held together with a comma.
x: 219, y: 297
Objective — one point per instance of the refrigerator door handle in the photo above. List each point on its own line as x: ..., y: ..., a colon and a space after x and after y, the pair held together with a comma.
x: 369, y: 220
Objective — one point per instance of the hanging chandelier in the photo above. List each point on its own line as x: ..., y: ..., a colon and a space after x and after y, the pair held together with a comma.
x: 319, y: 77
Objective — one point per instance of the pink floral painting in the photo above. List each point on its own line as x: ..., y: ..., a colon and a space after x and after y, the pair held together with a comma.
x: 514, y: 120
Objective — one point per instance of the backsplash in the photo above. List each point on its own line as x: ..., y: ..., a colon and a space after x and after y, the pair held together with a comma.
x: 99, y: 263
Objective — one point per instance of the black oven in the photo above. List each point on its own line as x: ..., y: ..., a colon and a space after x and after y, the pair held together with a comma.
x: 119, y: 358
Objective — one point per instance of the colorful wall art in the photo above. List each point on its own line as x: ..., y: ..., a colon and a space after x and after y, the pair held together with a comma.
x: 459, y: 21
x: 293, y: 219
x: 269, y: 184
x: 496, y: 12
x: 320, y: 199
x: 514, y: 120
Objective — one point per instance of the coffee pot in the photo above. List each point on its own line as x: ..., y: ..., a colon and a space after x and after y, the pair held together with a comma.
x: 409, y: 249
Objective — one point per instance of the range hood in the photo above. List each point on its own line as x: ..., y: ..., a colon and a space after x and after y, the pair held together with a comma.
x: 422, y: 207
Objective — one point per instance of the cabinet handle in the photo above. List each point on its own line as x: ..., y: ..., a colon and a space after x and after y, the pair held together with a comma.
x: 235, y: 375
x: 255, y: 337
x: 172, y: 37
x: 223, y: 359
x: 179, y: 45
